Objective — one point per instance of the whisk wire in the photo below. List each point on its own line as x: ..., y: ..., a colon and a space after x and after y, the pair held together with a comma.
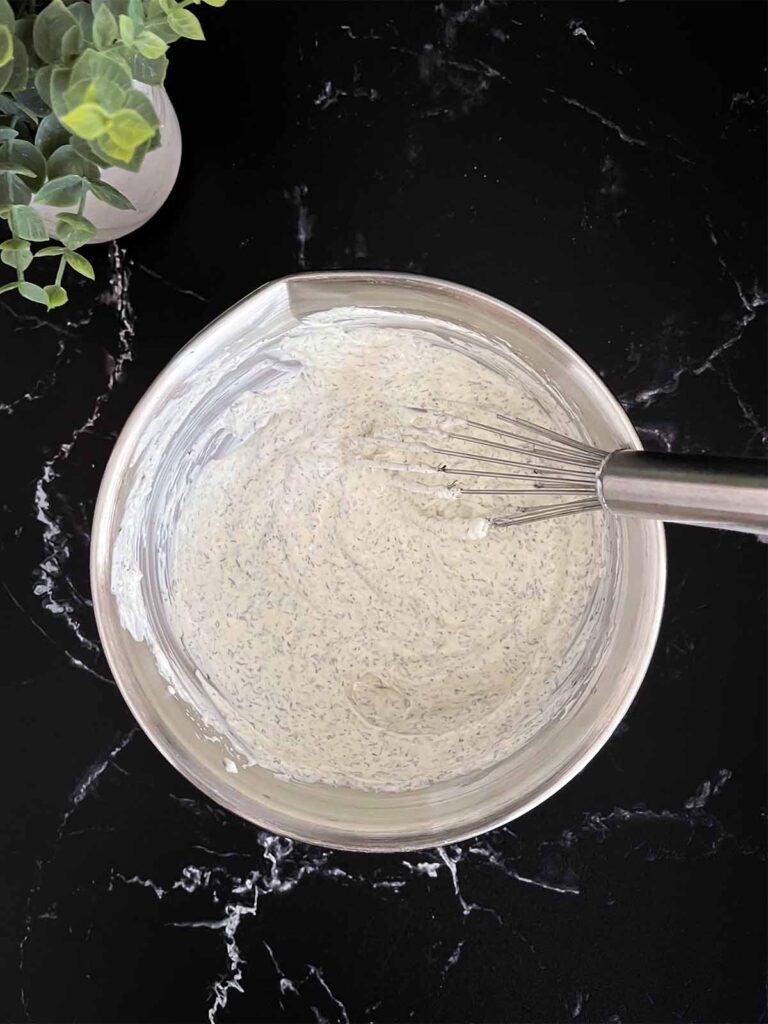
x: 476, y: 457
x: 546, y: 512
x: 555, y: 465
x: 561, y: 439
x: 541, y: 451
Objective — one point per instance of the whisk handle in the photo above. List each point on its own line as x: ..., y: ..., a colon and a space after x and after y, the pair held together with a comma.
x: 701, y: 490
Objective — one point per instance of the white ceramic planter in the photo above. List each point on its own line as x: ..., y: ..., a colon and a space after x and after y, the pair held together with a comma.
x: 147, y: 190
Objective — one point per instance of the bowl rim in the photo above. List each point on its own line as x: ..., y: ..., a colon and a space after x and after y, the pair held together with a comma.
x: 193, y: 770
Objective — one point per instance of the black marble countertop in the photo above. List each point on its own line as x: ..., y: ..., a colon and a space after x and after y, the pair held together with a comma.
x: 599, y: 166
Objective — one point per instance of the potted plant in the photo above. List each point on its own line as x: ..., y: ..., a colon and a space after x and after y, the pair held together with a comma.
x: 82, y: 102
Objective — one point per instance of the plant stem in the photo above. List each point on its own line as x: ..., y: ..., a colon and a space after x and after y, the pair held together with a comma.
x: 60, y: 271
x: 83, y: 196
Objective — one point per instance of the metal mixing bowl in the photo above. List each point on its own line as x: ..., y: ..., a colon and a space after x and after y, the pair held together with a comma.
x: 607, y: 676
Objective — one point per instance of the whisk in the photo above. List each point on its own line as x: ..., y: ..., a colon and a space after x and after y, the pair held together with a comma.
x: 506, y: 456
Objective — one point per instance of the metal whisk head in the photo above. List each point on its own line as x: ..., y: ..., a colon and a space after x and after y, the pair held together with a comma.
x: 513, y: 456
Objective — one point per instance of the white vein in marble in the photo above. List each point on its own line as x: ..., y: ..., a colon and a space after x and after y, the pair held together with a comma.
x: 236, y: 883
x: 52, y: 586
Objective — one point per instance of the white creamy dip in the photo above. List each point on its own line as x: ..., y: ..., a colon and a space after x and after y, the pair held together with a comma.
x: 354, y: 625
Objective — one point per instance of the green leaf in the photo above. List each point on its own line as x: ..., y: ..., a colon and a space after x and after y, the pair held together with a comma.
x: 17, y: 260
x: 137, y: 101
x: 23, y: 31
x: 105, y: 29
x: 107, y: 193
x: 71, y: 44
x: 13, y: 190
x: 117, y: 7
x: 27, y: 223
x: 102, y: 91
x: 83, y: 12
x: 19, y: 79
x: 80, y: 264
x: 60, y: 79
x: 51, y: 250
x: 127, y: 129
x: 9, y: 106
x: 136, y: 12
x: 150, y: 45
x: 14, y: 167
x: 151, y: 72
x: 65, y: 191
x: 43, y: 83
x: 55, y: 295
x: 6, y: 45
x: 85, y: 151
x: 166, y: 33
x: 89, y: 120
x: 11, y: 286
x: 79, y: 92
x: 185, y: 23
x: 33, y: 292
x: 67, y: 160
x: 7, y: 133
x: 50, y: 25
x: 117, y: 153
x: 91, y: 65
x: 6, y: 73
x: 50, y: 135
x: 114, y: 158
x: 74, y: 230
x: 7, y: 17
x: 16, y: 253
x: 127, y: 29
x: 32, y: 103
x: 23, y: 152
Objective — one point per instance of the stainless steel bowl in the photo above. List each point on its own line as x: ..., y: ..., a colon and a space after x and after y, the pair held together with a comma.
x: 607, y: 676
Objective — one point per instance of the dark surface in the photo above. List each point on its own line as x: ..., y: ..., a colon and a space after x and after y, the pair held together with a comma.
x: 602, y: 168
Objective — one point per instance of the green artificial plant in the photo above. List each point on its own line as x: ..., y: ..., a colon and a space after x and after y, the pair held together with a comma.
x: 68, y: 109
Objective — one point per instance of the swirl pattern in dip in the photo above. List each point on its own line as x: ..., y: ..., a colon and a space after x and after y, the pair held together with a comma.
x: 357, y: 626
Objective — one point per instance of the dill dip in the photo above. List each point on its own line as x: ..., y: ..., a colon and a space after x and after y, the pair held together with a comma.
x: 361, y: 627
